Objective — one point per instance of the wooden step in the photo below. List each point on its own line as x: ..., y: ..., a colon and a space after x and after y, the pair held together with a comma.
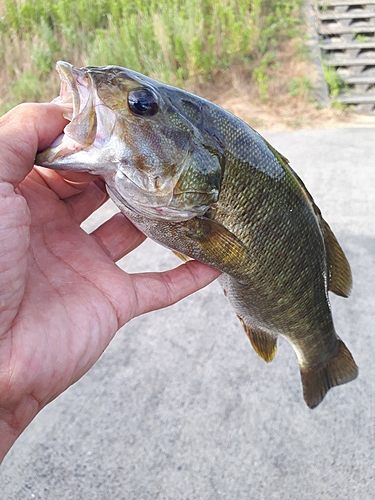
x: 339, y: 3
x: 365, y: 14
x: 345, y: 30
x: 356, y: 99
x: 359, y: 80
x: 327, y: 46
x: 364, y: 61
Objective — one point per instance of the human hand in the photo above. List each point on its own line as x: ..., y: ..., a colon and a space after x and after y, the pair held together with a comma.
x: 62, y: 297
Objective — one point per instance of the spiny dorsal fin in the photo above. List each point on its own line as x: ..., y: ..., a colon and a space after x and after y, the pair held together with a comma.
x: 278, y: 155
x: 339, y: 273
x: 264, y: 343
x: 317, y: 380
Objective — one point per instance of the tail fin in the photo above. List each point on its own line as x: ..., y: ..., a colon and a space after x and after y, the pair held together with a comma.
x: 337, y: 370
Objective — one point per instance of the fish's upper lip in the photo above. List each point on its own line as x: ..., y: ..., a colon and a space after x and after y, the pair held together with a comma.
x: 74, y: 90
x: 69, y: 95
x: 76, y: 99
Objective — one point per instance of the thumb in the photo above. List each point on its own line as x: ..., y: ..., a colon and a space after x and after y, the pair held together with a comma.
x: 24, y: 130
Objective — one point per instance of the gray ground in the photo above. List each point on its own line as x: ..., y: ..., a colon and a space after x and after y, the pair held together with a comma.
x: 180, y: 407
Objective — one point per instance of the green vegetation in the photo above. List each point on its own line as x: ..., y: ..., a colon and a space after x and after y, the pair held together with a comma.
x: 301, y: 86
x: 359, y: 37
x: 182, y: 42
x: 334, y: 81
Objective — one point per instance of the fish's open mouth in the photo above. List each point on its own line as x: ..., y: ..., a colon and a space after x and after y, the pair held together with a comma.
x: 83, y: 109
x: 69, y: 96
x: 77, y: 96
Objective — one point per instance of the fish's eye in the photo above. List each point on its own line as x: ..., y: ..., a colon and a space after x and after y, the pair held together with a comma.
x: 142, y: 102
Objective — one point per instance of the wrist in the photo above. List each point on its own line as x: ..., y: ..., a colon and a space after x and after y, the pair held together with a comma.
x: 7, y: 437
x: 14, y: 418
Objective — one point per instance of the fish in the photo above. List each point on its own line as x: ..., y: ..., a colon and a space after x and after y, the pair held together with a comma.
x: 201, y: 182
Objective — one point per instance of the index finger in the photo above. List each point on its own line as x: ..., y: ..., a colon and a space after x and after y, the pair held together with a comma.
x: 24, y: 130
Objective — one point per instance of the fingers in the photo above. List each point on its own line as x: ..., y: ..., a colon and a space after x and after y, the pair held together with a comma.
x: 118, y: 236
x: 84, y: 204
x: 64, y: 188
x: 157, y: 290
x: 23, y: 131
x: 83, y: 197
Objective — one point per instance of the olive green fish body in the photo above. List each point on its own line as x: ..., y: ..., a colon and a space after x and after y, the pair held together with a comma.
x: 201, y: 182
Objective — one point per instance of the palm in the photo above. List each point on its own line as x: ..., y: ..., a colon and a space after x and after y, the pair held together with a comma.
x: 62, y: 297
x: 67, y: 297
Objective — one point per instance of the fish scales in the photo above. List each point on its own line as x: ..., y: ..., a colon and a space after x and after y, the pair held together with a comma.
x: 201, y: 182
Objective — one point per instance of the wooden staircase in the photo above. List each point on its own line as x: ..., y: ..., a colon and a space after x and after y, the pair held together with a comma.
x: 346, y: 30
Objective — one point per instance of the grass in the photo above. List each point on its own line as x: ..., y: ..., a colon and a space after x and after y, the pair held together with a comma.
x: 300, y: 86
x: 188, y: 43
x: 334, y: 81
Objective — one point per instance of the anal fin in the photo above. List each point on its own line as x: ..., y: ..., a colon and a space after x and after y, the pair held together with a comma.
x: 181, y: 256
x: 337, y: 370
x: 264, y: 343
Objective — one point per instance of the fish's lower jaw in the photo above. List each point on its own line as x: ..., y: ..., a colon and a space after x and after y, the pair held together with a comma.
x: 54, y: 156
x: 337, y: 370
x: 161, y: 213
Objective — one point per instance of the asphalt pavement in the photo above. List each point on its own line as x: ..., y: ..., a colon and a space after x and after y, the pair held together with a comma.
x: 180, y: 407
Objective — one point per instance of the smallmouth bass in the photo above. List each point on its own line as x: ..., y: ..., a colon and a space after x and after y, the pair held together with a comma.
x: 201, y: 182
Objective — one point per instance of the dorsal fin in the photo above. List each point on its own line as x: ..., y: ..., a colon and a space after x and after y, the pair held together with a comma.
x: 339, y: 273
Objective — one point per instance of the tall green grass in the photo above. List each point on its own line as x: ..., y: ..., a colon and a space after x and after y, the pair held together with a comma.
x: 182, y: 42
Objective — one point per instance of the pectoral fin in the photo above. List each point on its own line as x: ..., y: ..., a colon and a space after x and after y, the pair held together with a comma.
x: 339, y: 274
x: 264, y: 343
x: 199, y: 238
x: 210, y: 242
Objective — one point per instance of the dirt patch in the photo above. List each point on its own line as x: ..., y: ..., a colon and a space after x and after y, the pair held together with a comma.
x: 291, y: 114
x: 290, y: 102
